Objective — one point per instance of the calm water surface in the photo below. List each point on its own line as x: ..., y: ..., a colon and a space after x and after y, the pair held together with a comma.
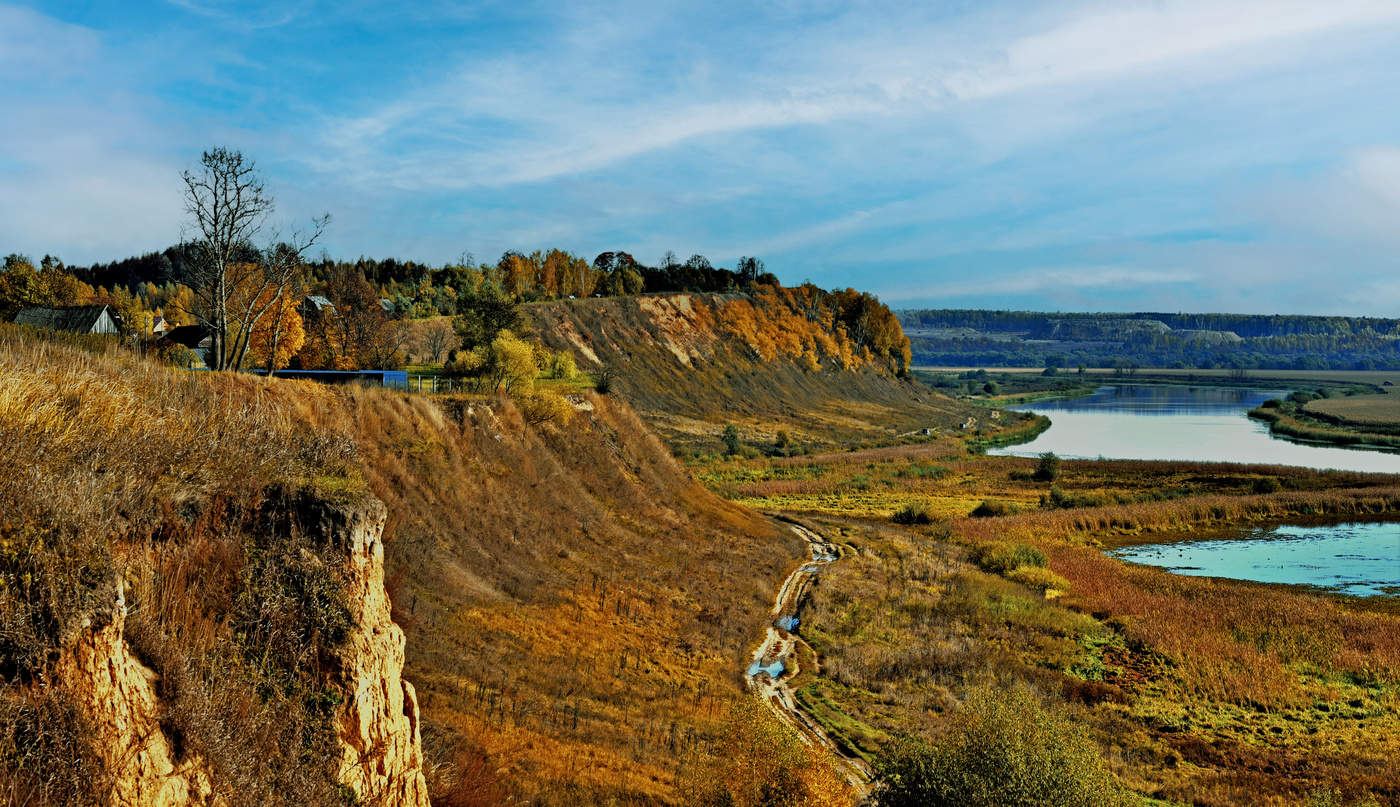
x: 1360, y: 558
x: 1126, y: 421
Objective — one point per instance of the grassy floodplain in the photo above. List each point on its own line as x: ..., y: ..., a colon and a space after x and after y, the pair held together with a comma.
x: 1197, y: 690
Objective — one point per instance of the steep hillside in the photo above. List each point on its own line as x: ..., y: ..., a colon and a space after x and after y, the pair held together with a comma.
x: 827, y: 369
x: 194, y: 610
x: 192, y: 607
x: 577, y: 607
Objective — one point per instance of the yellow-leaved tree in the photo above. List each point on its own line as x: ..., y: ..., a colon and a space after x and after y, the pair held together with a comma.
x: 279, y: 334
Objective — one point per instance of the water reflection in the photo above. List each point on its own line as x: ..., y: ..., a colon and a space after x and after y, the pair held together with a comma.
x: 1158, y: 422
x: 1147, y: 399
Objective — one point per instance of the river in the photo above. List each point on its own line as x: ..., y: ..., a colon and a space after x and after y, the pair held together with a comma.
x: 1168, y: 422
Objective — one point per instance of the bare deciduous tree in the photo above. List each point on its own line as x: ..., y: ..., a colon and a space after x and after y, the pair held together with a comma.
x: 235, y: 282
x: 438, y: 338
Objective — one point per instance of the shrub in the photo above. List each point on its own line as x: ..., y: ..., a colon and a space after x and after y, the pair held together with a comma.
x: 730, y: 437
x: 1039, y: 578
x: 544, y: 407
x: 1047, y: 469
x: 760, y: 762
x: 1266, y: 484
x: 603, y: 384
x: 1006, y: 748
x: 912, y: 514
x: 562, y: 366
x: 991, y: 508
x: 1000, y: 558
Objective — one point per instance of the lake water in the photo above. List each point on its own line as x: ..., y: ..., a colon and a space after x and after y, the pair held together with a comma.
x: 1358, y: 558
x: 1167, y: 422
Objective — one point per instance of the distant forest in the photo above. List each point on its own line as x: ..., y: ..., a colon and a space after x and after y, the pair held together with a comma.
x: 950, y: 337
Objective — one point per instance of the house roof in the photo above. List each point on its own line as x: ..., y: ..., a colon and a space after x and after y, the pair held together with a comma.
x: 317, y: 302
x: 188, y: 335
x: 78, y: 319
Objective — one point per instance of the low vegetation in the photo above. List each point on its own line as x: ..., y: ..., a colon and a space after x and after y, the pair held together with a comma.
x: 1003, y: 747
x: 1366, y: 420
x: 1189, y: 689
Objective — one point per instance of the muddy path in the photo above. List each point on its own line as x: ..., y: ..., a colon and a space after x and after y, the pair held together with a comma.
x: 775, y: 663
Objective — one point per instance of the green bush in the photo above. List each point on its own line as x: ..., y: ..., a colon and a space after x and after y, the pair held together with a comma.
x: 562, y: 366
x: 1266, y: 484
x: 1000, y: 558
x: 1039, y: 578
x: 1047, y: 469
x: 730, y: 438
x: 992, y: 508
x: 1005, y: 749
x: 912, y: 514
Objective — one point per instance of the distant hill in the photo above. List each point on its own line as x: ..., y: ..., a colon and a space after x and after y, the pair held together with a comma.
x: 951, y: 337
x: 826, y: 371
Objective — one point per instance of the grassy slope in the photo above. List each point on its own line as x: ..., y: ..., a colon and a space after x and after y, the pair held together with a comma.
x: 576, y: 605
x: 688, y: 376
x: 112, y: 467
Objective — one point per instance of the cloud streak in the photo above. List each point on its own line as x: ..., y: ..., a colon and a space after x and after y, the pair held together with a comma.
x: 1112, y: 154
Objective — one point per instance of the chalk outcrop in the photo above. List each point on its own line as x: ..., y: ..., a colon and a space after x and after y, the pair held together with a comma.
x: 117, y: 695
x: 376, y: 726
x: 381, y: 751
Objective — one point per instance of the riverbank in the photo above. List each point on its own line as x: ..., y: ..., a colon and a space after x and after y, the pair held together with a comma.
x: 1292, y: 420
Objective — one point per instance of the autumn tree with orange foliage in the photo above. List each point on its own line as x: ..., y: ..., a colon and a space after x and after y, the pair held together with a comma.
x: 806, y: 324
x: 278, y: 336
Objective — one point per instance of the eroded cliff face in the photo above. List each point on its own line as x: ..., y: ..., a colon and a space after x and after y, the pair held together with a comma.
x: 376, y: 723
x: 116, y: 693
x: 381, y: 751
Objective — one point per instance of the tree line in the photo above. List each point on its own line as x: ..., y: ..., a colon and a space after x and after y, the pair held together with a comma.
x: 1030, y: 339
x: 261, y: 301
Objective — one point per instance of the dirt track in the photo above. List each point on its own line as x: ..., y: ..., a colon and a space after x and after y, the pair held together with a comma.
x: 780, y: 647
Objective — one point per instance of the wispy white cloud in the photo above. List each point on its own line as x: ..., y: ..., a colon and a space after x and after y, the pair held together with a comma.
x: 1052, y: 282
x: 246, y: 16
x: 34, y: 45
x: 1087, y: 151
x: 571, y: 113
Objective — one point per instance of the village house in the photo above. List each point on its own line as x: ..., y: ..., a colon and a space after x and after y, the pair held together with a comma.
x: 74, y: 319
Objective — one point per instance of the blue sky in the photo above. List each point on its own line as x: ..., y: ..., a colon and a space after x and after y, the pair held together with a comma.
x: 1228, y: 156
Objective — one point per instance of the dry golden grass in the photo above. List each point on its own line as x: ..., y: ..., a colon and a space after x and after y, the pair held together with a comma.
x: 1360, y: 410
x: 1198, y: 691
x: 113, y: 468
x: 578, y: 605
